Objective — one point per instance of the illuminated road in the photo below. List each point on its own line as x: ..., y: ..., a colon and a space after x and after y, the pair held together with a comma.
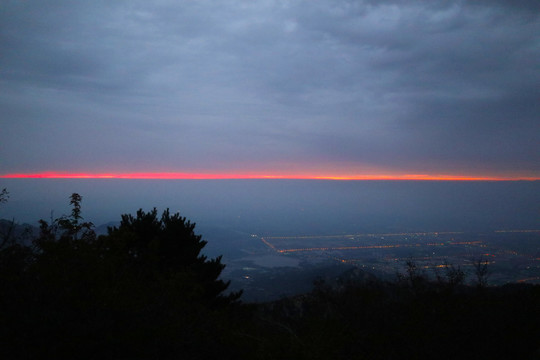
x: 366, y: 235
x: 510, y: 259
x: 270, y: 240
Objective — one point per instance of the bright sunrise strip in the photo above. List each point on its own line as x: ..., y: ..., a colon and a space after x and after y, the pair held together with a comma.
x: 218, y: 176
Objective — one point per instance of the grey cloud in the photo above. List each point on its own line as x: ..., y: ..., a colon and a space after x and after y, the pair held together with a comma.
x: 200, y: 84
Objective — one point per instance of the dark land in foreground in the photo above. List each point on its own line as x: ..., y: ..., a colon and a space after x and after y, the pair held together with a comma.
x: 144, y: 290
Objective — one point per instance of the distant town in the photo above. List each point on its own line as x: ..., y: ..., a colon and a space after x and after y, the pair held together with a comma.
x: 511, y: 256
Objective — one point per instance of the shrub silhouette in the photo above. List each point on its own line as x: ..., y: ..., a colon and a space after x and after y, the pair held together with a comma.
x: 166, y: 248
x: 142, y: 291
x: 145, y: 291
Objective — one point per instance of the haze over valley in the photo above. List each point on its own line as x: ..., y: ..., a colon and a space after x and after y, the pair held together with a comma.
x: 268, y: 227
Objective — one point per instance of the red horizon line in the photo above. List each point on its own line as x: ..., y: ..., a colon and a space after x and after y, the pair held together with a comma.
x: 206, y: 176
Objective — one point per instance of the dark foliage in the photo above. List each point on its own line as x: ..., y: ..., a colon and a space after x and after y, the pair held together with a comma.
x: 412, y: 318
x: 144, y: 291
x: 11, y: 233
x: 4, y: 195
x: 167, y: 249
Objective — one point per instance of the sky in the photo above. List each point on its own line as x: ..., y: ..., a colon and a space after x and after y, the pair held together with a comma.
x: 329, y: 88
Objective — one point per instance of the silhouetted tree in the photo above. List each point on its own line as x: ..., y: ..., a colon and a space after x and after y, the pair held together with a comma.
x: 6, y: 238
x: 481, y: 272
x: 144, y: 290
x: 167, y: 247
x: 454, y: 275
x: 4, y: 195
x: 71, y: 227
x: 11, y: 239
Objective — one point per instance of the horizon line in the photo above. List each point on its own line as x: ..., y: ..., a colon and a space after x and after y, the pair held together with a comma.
x: 240, y: 176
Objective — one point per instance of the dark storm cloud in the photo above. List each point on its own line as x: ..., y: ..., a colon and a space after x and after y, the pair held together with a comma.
x: 213, y: 86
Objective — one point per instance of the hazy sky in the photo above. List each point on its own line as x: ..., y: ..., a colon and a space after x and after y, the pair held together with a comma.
x: 324, y: 87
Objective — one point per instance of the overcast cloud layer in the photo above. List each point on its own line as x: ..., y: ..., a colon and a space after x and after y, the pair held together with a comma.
x: 342, y: 87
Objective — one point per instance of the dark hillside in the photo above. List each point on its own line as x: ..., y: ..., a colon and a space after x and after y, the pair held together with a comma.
x: 375, y: 319
x: 144, y: 290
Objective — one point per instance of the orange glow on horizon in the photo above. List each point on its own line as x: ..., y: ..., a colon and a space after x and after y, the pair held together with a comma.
x: 223, y: 176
